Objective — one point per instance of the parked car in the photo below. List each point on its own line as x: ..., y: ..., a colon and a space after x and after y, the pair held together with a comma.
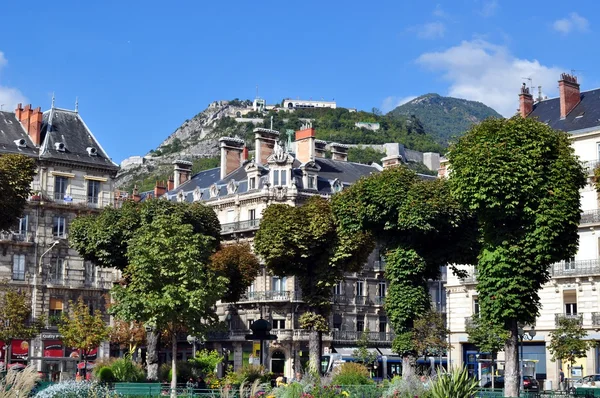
x: 589, y: 381
x: 529, y: 383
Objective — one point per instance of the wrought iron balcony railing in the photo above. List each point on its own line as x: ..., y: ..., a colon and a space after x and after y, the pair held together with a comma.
x: 240, y: 226
x: 16, y: 237
x: 362, y: 300
x: 576, y: 268
x: 559, y: 317
x: 271, y: 295
x: 595, y: 318
x: 380, y: 300
x: 102, y: 200
x: 376, y: 337
x: 339, y: 299
x: 590, y: 216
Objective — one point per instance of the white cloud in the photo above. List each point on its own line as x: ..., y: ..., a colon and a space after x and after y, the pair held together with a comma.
x: 481, y: 71
x: 432, y: 30
x: 439, y: 12
x: 9, y: 96
x: 390, y: 103
x: 489, y: 8
x: 574, y: 22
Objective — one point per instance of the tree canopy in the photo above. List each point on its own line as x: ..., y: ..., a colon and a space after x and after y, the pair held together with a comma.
x: 567, y: 341
x: 15, y: 315
x: 237, y: 263
x: 16, y: 175
x: 521, y: 180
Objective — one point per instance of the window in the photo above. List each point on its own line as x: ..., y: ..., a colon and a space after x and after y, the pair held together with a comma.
x: 23, y: 225
x: 382, y: 324
x: 598, y: 146
x: 252, y: 183
x: 57, y: 270
x: 278, y: 323
x: 60, y: 187
x: 250, y: 322
x: 93, y: 191
x: 475, y: 306
x: 337, y: 289
x: 59, y: 227
x: 90, y: 273
x: 275, y: 177
x: 360, y: 323
x: 359, y: 288
x: 279, y: 284
x: 571, y: 309
x: 283, y: 177
x: 250, y: 292
x: 18, y: 273
x: 570, y: 300
x: 56, y: 310
x: 311, y: 182
x: 252, y: 214
x: 337, y: 321
x: 381, y: 289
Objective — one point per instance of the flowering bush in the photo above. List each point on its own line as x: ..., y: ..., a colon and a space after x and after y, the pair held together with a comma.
x: 76, y: 389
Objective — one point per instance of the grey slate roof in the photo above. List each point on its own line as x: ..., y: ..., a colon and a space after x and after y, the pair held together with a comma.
x: 585, y: 115
x: 67, y: 127
x: 11, y: 130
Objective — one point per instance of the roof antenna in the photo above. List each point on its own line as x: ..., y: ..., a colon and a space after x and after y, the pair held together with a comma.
x: 77, y: 104
x: 52, y: 100
x: 539, y: 98
x: 530, y: 81
x: 1, y: 106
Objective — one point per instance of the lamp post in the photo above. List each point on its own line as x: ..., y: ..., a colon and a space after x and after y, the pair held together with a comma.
x: 35, y: 275
x: 524, y: 335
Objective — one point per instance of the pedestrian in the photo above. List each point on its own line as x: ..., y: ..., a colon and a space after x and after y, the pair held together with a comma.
x: 298, y: 377
x: 561, y: 380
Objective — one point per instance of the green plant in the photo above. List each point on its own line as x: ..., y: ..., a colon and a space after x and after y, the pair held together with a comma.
x: 205, y: 362
x: 125, y: 370
x: 455, y: 384
x: 76, y: 389
x: 105, y: 375
x: 351, y: 374
x: 184, y: 372
x: 407, y: 387
x: 249, y: 374
x: 18, y: 383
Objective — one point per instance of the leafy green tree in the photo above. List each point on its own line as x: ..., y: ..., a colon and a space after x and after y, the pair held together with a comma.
x: 430, y: 334
x: 128, y: 334
x: 82, y: 330
x: 420, y: 228
x: 366, y: 155
x: 488, y: 337
x: 567, y: 341
x: 304, y: 242
x: 169, y: 284
x: 362, y: 353
x: 237, y: 263
x: 16, y: 175
x: 15, y: 317
x: 206, y: 361
x: 521, y: 180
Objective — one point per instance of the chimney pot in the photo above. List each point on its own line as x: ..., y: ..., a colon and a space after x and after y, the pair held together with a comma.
x: 31, y: 120
x: 264, y: 142
x: 569, y: 92
x: 232, y: 152
x: 305, y: 144
x: 339, y: 152
x: 182, y: 171
x: 525, y: 101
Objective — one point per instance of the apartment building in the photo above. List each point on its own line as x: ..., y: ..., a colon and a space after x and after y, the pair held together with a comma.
x: 572, y: 291
x: 74, y: 176
x: 239, y: 190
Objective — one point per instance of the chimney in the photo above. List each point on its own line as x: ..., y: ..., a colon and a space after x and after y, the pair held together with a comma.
x: 159, y: 189
x: 569, y: 94
x: 245, y: 154
x: 170, y: 184
x: 264, y: 142
x: 391, y: 161
x: 135, y: 194
x: 320, y: 148
x: 232, y: 150
x: 525, y: 101
x: 305, y: 144
x: 339, y: 152
x: 31, y: 120
x: 182, y: 171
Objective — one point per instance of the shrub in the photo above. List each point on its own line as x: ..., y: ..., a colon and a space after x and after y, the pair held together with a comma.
x: 22, y: 382
x: 455, y: 384
x: 124, y: 370
x: 205, y: 362
x: 184, y: 372
x: 76, y: 389
x: 351, y: 374
x: 402, y: 387
x: 105, y: 375
x: 248, y: 374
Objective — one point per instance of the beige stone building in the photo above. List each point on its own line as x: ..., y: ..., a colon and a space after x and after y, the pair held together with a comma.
x: 573, y: 289
x: 74, y: 176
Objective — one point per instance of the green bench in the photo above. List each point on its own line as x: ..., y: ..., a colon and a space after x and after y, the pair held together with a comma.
x: 138, y: 389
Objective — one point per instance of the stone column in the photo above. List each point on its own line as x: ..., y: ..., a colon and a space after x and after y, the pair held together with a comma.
x: 238, y: 356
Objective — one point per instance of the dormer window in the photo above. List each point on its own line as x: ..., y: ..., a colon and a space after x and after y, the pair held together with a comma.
x: 279, y: 178
x: 59, y: 146
x: 252, y: 183
x: 21, y: 143
x: 275, y: 177
x: 91, y: 151
x: 312, y: 183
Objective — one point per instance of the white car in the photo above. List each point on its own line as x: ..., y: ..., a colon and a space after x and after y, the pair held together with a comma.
x: 590, y: 381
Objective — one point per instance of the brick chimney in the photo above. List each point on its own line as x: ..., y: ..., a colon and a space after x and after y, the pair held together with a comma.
x: 525, y: 101
x: 182, y: 171
x: 569, y: 92
x: 264, y: 142
x: 232, y: 150
x: 160, y: 188
x: 339, y: 152
x: 31, y: 120
x: 170, y: 184
x: 305, y: 144
x: 320, y: 148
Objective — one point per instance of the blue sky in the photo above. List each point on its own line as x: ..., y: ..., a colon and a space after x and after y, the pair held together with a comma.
x: 140, y: 68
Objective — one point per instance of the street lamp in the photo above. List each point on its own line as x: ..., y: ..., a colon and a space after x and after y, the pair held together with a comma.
x: 35, y: 275
x: 193, y: 340
x: 524, y: 335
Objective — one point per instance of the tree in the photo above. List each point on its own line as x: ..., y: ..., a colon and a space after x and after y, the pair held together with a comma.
x: 419, y: 228
x: 304, y: 242
x: 430, y: 334
x: 170, y: 285
x: 236, y: 262
x: 82, y: 330
x: 362, y: 353
x: 366, y: 155
x: 128, y: 334
x: 104, y: 239
x: 15, y: 317
x: 488, y: 337
x: 567, y: 341
x: 16, y: 175
x: 521, y: 180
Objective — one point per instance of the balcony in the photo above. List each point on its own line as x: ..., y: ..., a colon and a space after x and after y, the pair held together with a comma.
x: 575, y: 268
x: 362, y: 300
x: 16, y: 237
x: 590, y: 217
x: 94, y: 202
x: 78, y: 283
x: 339, y: 299
x: 271, y: 295
x: 559, y: 317
x: 380, y: 300
x: 240, y: 226
x: 379, y: 266
x: 470, y: 279
x: 342, y: 336
x: 469, y: 322
x: 590, y: 165
x: 595, y: 318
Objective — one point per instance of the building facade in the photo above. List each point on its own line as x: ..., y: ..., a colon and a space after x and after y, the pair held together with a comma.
x: 74, y: 176
x: 239, y: 190
x: 572, y: 291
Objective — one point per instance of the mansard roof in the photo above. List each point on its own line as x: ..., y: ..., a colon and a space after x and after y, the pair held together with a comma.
x: 585, y: 115
x: 11, y: 134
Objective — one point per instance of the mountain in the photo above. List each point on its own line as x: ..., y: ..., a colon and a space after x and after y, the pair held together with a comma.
x: 197, y: 138
x: 445, y: 117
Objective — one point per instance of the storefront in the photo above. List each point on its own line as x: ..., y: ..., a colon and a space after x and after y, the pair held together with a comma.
x: 59, y: 362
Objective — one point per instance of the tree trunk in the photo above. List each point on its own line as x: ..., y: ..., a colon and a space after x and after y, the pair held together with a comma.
x: 152, y: 355
x: 511, y: 365
x: 174, y: 366
x: 408, y: 369
x: 313, y: 351
x: 320, y: 352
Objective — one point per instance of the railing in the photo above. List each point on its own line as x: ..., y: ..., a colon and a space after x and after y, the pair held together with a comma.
x: 380, y: 300
x: 361, y: 300
x: 102, y: 200
x: 590, y: 165
x: 576, y: 268
x: 339, y: 299
x: 239, y: 226
x: 16, y: 237
x: 347, y: 336
x: 471, y: 278
x: 559, y: 317
x: 271, y: 295
x: 379, y: 266
x: 469, y: 322
x: 73, y: 282
x: 595, y: 318
x: 590, y: 216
